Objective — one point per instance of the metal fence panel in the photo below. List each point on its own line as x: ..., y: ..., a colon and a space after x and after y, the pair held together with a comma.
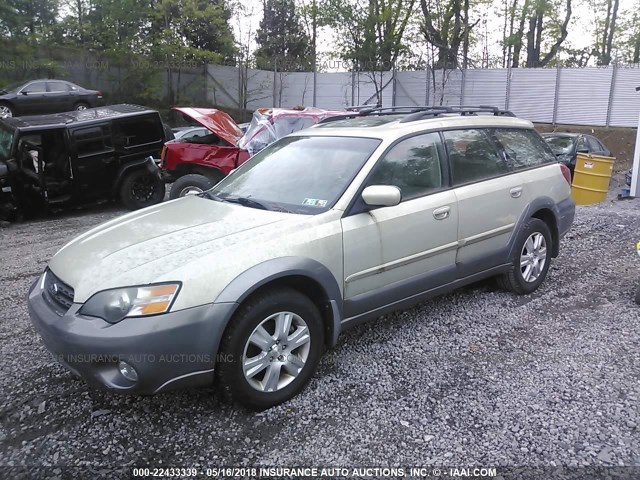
x: 260, y: 92
x: 583, y: 96
x: 485, y: 87
x: 223, y: 84
x: 411, y: 88
x: 333, y: 90
x: 625, y: 105
x: 447, y: 89
x: 532, y: 93
x: 294, y: 89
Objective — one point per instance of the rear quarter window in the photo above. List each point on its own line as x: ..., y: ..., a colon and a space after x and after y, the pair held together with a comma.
x: 523, y: 148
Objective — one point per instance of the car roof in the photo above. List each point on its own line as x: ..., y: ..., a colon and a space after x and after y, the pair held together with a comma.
x: 392, y: 127
x: 66, y: 119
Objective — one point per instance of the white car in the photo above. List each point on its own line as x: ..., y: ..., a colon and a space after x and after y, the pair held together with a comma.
x: 248, y: 283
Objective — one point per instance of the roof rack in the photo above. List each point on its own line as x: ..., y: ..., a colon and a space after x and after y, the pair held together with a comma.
x: 417, y: 112
x: 459, y: 109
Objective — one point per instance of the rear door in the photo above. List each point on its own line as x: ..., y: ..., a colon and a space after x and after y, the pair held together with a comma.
x: 95, y: 164
x: 491, y: 198
x: 392, y: 253
x: 58, y: 96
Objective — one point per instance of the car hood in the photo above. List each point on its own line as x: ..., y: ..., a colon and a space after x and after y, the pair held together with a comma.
x: 140, y: 247
x: 214, y: 120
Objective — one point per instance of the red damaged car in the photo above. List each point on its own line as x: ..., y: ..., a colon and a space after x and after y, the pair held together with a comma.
x: 195, y: 164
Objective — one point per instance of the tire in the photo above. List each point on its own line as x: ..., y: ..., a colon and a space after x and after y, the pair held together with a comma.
x: 6, y: 110
x: 141, y: 189
x: 277, y: 376
x: 80, y: 106
x: 534, y: 242
x: 190, y: 184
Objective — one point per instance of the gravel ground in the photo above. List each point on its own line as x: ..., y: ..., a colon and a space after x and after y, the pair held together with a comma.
x: 476, y: 377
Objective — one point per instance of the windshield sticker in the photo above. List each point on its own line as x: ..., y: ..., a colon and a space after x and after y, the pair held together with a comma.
x: 314, y: 202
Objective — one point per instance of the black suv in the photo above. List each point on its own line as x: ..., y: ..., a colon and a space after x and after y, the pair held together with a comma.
x: 79, y: 157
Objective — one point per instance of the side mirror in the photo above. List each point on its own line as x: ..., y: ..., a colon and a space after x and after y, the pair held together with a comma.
x: 582, y: 150
x: 381, y: 195
x: 24, y: 93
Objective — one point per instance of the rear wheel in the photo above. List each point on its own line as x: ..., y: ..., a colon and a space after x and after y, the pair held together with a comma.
x: 140, y: 189
x: 191, y: 184
x: 270, y: 349
x: 5, y: 110
x: 531, y: 259
x: 80, y: 106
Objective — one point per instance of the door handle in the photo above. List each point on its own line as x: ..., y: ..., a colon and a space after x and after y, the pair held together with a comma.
x: 441, y: 213
x: 516, y: 192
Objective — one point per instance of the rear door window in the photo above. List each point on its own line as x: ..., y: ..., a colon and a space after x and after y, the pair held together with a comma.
x: 138, y: 132
x: 473, y: 156
x: 523, y: 148
x: 92, y: 140
x: 57, y: 87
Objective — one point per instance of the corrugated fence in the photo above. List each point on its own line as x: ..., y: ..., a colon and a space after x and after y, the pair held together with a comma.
x: 579, y: 96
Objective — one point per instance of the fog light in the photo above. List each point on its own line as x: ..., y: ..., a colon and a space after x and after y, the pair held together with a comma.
x: 128, y: 371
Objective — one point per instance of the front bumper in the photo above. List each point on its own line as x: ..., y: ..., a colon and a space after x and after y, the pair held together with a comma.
x: 173, y: 350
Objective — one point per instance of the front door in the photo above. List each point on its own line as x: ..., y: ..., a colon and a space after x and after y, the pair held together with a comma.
x: 393, y: 253
x: 32, y: 99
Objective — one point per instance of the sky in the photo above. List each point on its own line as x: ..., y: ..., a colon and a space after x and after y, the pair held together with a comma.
x: 580, y: 30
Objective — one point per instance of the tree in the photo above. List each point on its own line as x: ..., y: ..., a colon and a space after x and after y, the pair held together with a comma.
x: 282, y: 42
x: 605, y: 29
x: 445, y: 25
x: 28, y: 19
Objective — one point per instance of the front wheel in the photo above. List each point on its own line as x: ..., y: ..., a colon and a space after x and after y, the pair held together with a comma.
x: 531, y: 259
x: 5, y: 110
x: 140, y: 189
x: 270, y: 349
x: 190, y: 185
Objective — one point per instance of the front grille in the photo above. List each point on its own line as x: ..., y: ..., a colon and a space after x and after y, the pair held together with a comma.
x: 58, y: 293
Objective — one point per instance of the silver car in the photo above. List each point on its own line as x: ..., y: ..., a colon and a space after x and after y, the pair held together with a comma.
x: 248, y: 283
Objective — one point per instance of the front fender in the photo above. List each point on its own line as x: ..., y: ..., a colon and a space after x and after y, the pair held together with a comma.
x: 252, y: 279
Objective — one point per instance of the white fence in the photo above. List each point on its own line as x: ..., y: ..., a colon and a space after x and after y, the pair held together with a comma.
x: 580, y: 96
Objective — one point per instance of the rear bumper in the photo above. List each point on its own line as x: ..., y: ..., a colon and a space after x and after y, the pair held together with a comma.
x: 168, y: 351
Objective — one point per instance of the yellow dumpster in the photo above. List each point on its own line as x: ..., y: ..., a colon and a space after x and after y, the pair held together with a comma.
x: 591, y: 178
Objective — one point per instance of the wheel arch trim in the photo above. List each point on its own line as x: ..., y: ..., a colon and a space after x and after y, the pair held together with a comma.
x: 258, y: 276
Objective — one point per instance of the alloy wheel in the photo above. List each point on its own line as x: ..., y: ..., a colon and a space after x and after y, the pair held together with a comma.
x: 5, y: 112
x: 533, y: 257
x: 190, y: 191
x: 276, y: 352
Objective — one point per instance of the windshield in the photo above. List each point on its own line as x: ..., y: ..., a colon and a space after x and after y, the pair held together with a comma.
x: 6, y: 140
x: 297, y: 174
x: 560, y: 145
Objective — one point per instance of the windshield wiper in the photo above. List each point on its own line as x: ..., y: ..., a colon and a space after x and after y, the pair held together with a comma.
x: 246, y: 202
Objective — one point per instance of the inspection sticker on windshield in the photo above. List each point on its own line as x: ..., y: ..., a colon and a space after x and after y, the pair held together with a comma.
x: 314, y: 202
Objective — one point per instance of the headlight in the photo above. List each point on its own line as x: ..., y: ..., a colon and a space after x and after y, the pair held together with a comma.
x: 119, y: 303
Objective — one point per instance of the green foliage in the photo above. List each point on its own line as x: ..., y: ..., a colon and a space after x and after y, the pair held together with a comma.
x: 370, y: 32
x: 282, y: 41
